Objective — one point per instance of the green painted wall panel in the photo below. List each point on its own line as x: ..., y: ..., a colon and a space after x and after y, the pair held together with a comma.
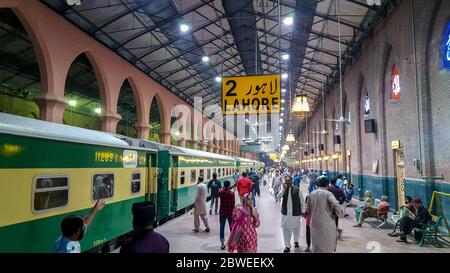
x: 378, y: 185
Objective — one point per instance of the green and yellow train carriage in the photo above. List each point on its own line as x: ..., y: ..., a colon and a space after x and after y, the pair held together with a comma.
x: 187, y: 165
x: 244, y: 164
x: 258, y: 164
x: 49, y: 171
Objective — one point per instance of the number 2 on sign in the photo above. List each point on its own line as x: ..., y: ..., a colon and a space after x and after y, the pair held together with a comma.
x: 230, y: 92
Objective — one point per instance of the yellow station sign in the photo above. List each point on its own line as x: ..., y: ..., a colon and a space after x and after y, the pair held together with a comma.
x: 273, y: 156
x: 251, y: 94
x: 395, y: 144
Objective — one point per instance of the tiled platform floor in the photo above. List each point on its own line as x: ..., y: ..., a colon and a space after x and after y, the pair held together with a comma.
x: 354, y: 240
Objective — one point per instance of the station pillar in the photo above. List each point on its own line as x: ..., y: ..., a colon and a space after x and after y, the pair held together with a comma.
x: 142, y: 130
x: 193, y: 144
x: 164, y: 138
x: 181, y: 142
x: 203, y: 145
x: 109, y: 122
x: 210, y: 147
x: 51, y: 107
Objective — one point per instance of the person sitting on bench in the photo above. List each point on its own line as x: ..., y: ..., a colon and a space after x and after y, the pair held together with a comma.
x: 407, y: 210
x: 374, y: 211
x: 368, y: 201
x: 349, y: 191
x: 407, y: 224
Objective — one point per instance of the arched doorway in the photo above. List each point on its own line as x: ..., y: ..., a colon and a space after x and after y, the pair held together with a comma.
x: 81, y: 90
x: 126, y: 108
x: 19, y: 68
x: 154, y: 121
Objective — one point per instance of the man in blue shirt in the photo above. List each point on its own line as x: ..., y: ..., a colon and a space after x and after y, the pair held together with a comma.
x: 339, y: 181
x: 255, y: 187
x: 215, y: 185
x: 73, y: 229
x: 297, y: 179
x: 312, y: 176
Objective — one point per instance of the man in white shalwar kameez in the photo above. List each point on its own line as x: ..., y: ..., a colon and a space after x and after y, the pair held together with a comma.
x: 291, y: 211
x: 323, y: 208
x: 200, y: 206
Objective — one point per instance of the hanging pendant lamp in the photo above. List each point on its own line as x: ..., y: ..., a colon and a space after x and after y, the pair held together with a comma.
x: 301, y: 107
x: 290, y: 137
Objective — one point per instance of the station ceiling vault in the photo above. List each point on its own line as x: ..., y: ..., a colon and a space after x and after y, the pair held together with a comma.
x: 187, y: 45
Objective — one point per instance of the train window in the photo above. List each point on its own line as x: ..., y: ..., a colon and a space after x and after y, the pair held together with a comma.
x: 50, y: 193
x: 219, y: 174
x: 135, y: 182
x: 193, y: 176
x: 182, y: 179
x: 223, y: 171
x: 209, y: 174
x: 202, y: 173
x: 103, y: 186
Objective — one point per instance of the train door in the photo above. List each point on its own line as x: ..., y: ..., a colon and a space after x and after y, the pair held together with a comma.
x: 151, y: 182
x: 174, y: 184
x: 163, y: 185
x: 400, y: 173
x: 238, y: 166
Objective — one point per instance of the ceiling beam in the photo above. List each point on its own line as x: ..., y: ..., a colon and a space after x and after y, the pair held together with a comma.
x: 121, y: 15
x: 362, y: 4
x: 165, y: 21
x: 192, y: 62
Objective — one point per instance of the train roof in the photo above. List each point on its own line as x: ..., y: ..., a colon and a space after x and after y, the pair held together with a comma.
x: 197, y: 153
x: 137, y: 143
x: 17, y: 125
x: 244, y: 159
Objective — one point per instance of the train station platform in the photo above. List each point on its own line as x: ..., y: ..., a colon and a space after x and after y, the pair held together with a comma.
x: 367, y: 239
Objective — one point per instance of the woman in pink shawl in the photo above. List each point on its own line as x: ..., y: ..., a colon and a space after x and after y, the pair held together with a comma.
x: 243, y: 237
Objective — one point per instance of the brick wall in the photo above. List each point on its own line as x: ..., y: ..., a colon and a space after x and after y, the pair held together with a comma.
x: 392, y: 44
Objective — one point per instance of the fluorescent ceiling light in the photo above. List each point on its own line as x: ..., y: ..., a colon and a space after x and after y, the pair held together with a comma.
x: 288, y: 20
x: 184, y: 27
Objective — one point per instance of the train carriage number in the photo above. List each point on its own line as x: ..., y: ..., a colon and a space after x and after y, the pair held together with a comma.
x: 106, y: 157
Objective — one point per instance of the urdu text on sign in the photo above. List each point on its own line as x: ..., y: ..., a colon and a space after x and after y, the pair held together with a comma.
x: 251, y: 94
